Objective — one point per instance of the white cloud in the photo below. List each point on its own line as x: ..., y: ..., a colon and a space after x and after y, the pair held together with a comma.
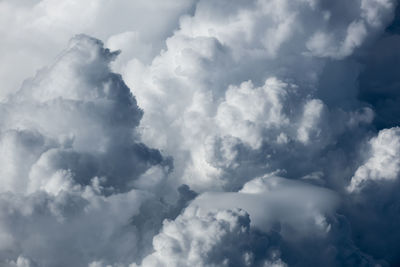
x: 271, y: 199
x: 246, y: 72
x: 383, y: 162
x: 219, y: 238
x: 247, y: 111
x: 231, y: 96
x: 286, y: 221
x: 75, y: 116
x: 33, y: 32
x: 71, y: 156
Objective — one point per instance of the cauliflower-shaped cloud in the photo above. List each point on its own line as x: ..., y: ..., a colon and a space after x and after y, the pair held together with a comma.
x: 383, y: 162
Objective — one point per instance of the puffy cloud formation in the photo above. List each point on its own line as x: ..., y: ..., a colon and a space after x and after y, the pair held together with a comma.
x: 75, y: 116
x: 266, y: 197
x: 374, y: 199
x: 212, y: 239
x: 71, y: 158
x: 277, y: 231
x: 33, y: 32
x: 384, y: 163
x: 239, y: 133
x: 242, y: 89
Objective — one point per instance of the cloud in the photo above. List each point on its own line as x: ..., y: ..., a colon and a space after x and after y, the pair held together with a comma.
x: 21, y: 262
x: 33, y: 32
x: 267, y: 202
x: 78, y: 116
x: 384, y: 162
x: 72, y: 156
x: 238, y: 133
x: 72, y: 227
x: 373, y: 199
x: 237, y: 83
x: 220, y: 238
x: 286, y: 220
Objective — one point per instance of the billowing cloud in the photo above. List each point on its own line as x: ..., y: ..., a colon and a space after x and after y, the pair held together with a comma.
x: 78, y: 116
x: 33, y: 32
x: 235, y: 83
x: 238, y: 133
x: 71, y: 157
x: 213, y: 239
x: 384, y: 162
x: 286, y: 220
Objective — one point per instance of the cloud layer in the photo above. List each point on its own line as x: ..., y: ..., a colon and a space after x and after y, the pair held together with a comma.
x: 238, y: 133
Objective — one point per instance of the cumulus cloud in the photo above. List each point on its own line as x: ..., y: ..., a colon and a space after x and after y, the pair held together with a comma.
x: 33, y: 32
x: 77, y: 116
x: 71, y: 157
x: 384, y: 162
x: 232, y: 85
x: 374, y: 200
x: 239, y: 133
x: 286, y: 221
x: 211, y: 239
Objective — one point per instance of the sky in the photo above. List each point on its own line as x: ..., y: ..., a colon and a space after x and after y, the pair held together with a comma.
x: 209, y: 133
